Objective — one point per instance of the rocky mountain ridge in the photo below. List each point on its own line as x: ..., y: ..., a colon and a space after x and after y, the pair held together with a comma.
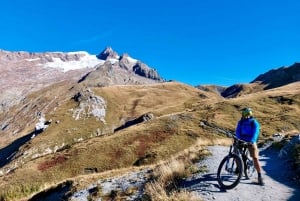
x: 25, y: 72
x: 272, y: 79
x: 279, y: 77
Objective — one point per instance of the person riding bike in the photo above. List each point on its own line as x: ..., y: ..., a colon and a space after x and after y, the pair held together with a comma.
x: 248, y: 129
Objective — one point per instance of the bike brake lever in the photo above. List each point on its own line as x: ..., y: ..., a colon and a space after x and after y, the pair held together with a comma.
x: 229, y: 134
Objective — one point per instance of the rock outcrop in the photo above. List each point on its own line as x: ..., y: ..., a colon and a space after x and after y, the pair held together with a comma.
x: 143, y: 118
x: 89, y: 105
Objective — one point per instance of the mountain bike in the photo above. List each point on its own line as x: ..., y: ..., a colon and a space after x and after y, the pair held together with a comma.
x: 237, y: 162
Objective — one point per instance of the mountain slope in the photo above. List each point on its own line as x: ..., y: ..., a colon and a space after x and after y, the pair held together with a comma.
x: 25, y: 72
x: 279, y: 77
x: 64, y: 149
x: 181, y: 113
x: 271, y: 79
x: 117, y: 114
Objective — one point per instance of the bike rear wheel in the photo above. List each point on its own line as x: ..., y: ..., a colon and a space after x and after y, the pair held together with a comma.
x: 230, y: 171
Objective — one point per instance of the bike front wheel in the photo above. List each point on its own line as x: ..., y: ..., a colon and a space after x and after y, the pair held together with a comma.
x: 230, y: 171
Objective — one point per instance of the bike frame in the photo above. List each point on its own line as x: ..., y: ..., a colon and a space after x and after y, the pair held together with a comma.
x: 237, y: 162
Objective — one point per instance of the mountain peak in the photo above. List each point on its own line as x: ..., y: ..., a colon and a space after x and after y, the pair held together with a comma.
x: 108, y: 53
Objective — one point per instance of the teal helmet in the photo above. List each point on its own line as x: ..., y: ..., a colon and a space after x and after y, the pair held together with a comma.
x: 246, y: 112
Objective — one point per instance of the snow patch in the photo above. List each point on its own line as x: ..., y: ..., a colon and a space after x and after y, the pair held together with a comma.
x: 132, y: 60
x: 113, y: 61
x: 79, y: 52
x: 87, y: 61
x: 36, y: 59
x: 41, y: 124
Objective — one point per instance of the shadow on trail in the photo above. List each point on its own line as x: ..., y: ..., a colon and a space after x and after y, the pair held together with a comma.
x: 280, y: 170
x: 206, y: 182
x: 8, y: 152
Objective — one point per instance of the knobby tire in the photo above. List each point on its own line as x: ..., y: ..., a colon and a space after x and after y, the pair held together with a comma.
x: 231, y: 177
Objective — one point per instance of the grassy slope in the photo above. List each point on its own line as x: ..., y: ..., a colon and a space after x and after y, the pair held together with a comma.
x: 177, y: 109
x: 173, y: 129
x: 277, y: 110
x: 22, y: 117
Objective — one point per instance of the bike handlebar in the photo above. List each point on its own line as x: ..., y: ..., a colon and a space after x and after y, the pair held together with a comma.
x: 237, y: 139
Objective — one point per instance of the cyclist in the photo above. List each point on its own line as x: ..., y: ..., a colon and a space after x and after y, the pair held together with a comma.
x: 248, y: 130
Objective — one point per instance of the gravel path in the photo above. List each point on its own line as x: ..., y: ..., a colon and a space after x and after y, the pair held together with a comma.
x: 278, y: 177
x: 279, y: 184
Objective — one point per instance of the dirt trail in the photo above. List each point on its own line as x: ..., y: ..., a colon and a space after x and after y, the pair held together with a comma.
x: 279, y: 184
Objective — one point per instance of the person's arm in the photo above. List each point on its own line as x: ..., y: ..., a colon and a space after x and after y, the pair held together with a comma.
x: 238, y: 130
x: 256, y: 130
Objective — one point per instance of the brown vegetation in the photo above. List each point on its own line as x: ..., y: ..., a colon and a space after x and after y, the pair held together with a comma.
x: 56, y: 160
x: 178, y: 112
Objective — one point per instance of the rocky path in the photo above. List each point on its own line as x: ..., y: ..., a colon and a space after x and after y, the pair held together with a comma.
x: 279, y: 183
x: 279, y: 178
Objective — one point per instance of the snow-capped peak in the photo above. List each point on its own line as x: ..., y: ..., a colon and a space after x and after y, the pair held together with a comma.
x: 85, y: 60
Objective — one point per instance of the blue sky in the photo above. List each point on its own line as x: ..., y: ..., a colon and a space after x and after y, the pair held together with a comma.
x: 220, y: 42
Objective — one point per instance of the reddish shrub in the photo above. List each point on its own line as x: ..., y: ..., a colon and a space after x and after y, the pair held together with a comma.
x: 52, y: 162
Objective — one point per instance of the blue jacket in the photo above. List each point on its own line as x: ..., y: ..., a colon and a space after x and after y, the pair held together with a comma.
x: 248, y: 130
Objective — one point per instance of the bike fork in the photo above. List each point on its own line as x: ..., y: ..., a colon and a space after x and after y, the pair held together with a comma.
x: 229, y: 165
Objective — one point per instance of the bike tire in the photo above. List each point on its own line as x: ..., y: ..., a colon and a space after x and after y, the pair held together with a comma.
x: 230, y: 171
x: 249, y: 168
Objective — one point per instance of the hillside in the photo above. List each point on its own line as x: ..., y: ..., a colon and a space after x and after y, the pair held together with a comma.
x: 279, y: 77
x: 269, y: 80
x: 118, y: 116
x: 64, y: 149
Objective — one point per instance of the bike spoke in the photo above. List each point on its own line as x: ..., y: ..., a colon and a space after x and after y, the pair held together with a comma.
x: 229, y: 172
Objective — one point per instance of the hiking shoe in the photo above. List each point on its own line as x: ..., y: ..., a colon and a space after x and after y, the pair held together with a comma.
x: 261, y: 181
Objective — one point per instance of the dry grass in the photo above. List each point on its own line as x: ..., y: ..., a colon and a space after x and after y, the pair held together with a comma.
x: 275, y: 109
x: 23, y: 117
x: 167, y: 175
x: 156, y: 191
x: 138, y: 145
x: 178, y: 111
